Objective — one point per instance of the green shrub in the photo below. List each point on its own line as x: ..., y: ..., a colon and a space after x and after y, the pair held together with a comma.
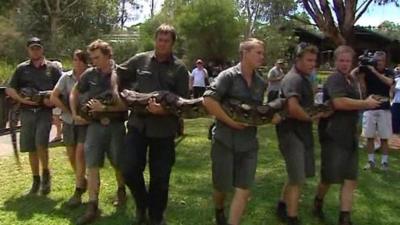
x: 6, y: 70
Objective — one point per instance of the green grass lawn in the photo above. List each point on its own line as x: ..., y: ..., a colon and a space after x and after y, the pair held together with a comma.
x: 190, y: 201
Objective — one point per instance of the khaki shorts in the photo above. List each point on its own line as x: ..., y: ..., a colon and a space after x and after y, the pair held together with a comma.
x: 377, y: 123
x: 299, y: 157
x: 73, y: 134
x: 232, y: 169
x: 35, y: 129
x: 102, y: 140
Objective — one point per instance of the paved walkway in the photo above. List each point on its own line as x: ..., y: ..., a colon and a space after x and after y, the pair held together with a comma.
x: 6, y: 144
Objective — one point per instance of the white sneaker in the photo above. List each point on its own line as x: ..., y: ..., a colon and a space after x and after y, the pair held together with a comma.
x: 370, y: 165
x: 384, y: 166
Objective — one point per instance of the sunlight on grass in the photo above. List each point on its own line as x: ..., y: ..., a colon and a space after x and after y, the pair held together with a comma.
x: 190, y: 200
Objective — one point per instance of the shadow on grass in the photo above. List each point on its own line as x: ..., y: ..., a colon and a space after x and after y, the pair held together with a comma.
x: 27, y: 206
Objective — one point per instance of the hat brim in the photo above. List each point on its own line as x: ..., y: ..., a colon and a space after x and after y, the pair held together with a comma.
x: 35, y: 45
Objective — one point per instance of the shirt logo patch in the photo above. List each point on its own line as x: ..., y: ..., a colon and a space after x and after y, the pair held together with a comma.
x: 170, y: 73
x: 48, y: 72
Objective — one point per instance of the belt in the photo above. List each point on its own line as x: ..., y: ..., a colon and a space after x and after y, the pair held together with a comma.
x: 34, y: 110
x: 108, y: 120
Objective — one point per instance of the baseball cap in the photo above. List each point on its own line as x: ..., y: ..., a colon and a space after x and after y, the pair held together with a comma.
x: 34, y: 41
x: 280, y: 61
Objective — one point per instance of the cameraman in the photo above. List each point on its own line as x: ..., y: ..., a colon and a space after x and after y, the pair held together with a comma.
x: 377, y: 81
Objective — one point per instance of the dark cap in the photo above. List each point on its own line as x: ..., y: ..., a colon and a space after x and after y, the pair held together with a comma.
x: 34, y: 41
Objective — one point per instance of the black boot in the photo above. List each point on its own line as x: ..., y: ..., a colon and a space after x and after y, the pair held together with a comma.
x: 293, y: 221
x: 220, y: 218
x: 317, y: 210
x: 45, y: 185
x: 141, y: 217
x: 281, y: 211
x: 344, y: 218
x: 35, y: 185
x: 158, y: 222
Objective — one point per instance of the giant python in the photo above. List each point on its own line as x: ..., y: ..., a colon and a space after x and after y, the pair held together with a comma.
x: 192, y: 108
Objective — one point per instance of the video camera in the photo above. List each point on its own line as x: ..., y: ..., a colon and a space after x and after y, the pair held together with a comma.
x: 365, y: 60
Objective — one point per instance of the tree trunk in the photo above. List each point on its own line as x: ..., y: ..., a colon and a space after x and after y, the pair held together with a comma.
x: 152, y: 9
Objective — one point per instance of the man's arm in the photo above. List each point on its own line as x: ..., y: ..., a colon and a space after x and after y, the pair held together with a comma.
x: 214, y: 108
x: 344, y: 103
x: 386, y: 80
x: 296, y: 111
x: 56, y: 100
x: 14, y: 95
x: 73, y: 100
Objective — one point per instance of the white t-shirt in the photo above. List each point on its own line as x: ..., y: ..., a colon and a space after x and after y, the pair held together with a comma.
x: 199, y: 76
x: 396, y: 98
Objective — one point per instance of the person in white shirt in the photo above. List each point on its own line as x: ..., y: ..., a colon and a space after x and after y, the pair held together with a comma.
x: 275, y: 75
x: 198, y: 79
x: 395, y: 108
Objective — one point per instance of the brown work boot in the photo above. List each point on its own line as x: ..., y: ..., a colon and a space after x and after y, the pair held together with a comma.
x: 45, y: 185
x: 76, y: 198
x: 35, y: 186
x: 120, y: 198
x: 91, y: 214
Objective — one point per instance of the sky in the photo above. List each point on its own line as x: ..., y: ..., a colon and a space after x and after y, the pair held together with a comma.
x: 374, y: 16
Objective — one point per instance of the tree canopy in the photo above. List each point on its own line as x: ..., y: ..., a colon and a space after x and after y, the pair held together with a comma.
x: 336, y: 18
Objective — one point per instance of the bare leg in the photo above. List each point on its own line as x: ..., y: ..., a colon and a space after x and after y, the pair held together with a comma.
x: 80, y: 166
x: 385, y: 150
x: 71, y: 157
x: 57, y: 123
x: 219, y: 199
x: 370, y: 145
x: 43, y: 155
x: 93, y: 184
x: 283, y: 193
x: 322, y: 189
x: 346, y: 195
x: 238, y: 205
x: 34, y: 163
x: 292, y: 199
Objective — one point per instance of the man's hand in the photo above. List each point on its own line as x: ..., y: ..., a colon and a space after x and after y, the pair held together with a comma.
x: 238, y: 125
x: 47, y: 102
x: 355, y: 71
x: 26, y: 101
x: 78, y: 120
x: 317, y: 117
x: 155, y: 108
x: 276, y: 119
x: 373, y: 70
x: 95, y: 105
x: 371, y: 102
